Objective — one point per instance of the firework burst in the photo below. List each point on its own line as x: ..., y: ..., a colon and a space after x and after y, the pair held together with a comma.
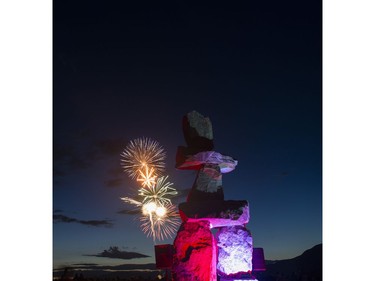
x: 158, y: 192
x: 143, y: 160
x: 141, y: 153
x: 159, y: 222
x: 159, y: 217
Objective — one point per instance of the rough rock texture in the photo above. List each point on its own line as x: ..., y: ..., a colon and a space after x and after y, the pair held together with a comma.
x: 209, y: 178
x: 218, y: 212
x: 195, y: 253
x: 235, y: 250
x: 197, y: 131
x: 207, y: 184
x: 196, y: 125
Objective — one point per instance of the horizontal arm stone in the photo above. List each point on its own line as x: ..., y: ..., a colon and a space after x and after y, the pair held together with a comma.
x: 219, y: 213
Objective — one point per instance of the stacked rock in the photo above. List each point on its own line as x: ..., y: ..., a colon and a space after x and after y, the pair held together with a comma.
x: 199, y: 255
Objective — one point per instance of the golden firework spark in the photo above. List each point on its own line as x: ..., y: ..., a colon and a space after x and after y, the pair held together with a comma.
x: 147, y: 178
x: 141, y: 153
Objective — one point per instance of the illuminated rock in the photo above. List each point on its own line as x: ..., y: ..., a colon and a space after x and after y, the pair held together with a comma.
x: 235, y: 250
x: 219, y: 213
x: 198, y: 134
x: 195, y: 125
x: 209, y: 178
x: 198, y: 255
x: 187, y: 161
x: 195, y: 253
x: 207, y: 185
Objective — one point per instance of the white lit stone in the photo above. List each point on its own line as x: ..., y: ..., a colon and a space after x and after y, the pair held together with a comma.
x: 235, y: 249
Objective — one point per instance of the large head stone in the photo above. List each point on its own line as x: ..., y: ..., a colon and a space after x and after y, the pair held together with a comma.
x: 197, y: 131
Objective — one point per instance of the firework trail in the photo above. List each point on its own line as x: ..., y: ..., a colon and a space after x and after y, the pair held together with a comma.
x: 141, y: 153
x: 131, y: 201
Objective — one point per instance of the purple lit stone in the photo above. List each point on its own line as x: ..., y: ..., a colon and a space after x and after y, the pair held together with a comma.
x: 194, y: 162
x: 235, y: 249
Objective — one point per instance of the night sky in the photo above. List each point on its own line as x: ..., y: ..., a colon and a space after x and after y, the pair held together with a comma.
x: 124, y: 70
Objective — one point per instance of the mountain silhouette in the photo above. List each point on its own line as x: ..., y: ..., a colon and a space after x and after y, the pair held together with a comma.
x: 306, y: 267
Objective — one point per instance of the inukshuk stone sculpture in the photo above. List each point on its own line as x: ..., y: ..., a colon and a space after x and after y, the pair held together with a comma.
x: 198, y: 254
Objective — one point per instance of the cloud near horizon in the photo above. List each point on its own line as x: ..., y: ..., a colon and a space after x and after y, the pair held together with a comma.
x: 62, y: 218
x: 127, y: 267
x: 115, y: 253
x: 130, y: 212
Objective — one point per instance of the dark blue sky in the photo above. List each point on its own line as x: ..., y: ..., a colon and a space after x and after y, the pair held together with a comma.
x: 122, y: 71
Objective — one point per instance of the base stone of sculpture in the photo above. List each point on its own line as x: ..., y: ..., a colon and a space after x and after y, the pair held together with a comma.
x: 195, y: 253
x: 235, y: 251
